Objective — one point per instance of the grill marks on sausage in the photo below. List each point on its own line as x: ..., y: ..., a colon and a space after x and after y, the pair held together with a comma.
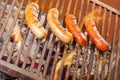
x: 95, y: 36
x: 59, y: 31
x: 71, y: 23
x: 32, y: 21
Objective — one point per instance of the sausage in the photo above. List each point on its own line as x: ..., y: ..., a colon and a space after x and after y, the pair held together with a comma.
x: 95, y: 36
x: 33, y: 22
x: 67, y: 62
x: 56, y: 27
x: 71, y: 23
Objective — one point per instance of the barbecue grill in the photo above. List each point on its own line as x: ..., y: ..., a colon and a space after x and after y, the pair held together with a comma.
x: 40, y: 56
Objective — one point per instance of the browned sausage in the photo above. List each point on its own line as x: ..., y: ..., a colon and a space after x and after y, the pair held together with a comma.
x: 33, y: 22
x: 95, y: 36
x: 72, y: 26
x: 56, y: 27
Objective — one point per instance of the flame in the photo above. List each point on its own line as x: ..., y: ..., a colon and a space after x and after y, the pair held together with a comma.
x: 67, y: 61
x: 94, y: 15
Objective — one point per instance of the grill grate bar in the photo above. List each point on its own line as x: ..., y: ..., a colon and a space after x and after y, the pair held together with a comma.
x: 3, y: 8
x: 11, y: 52
x: 11, y: 29
x: 78, y: 51
x: 28, y: 51
x: 58, y: 47
x: 77, y: 63
x: 61, y: 70
x: 91, y: 54
x: 96, y: 65
x: 113, y: 45
x: 23, y: 42
x: 106, y: 6
x: 65, y: 47
x: 55, y: 61
x: 13, y: 46
x: 85, y: 51
x: 117, y: 57
x: 7, y: 18
x: 35, y: 55
x: 74, y: 11
x: 80, y: 11
x: 42, y: 56
x: 104, y: 53
x: 69, y: 5
x: 49, y: 56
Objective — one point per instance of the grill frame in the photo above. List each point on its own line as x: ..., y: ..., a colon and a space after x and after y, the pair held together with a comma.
x: 7, y: 67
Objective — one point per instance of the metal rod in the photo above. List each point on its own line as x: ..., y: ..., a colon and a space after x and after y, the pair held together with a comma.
x: 75, y: 7
x: 48, y: 58
x: 113, y: 45
x: 104, y: 54
x: 77, y: 63
x: 37, y: 47
x: 42, y: 56
x: 23, y: 42
x: 28, y: 51
x: 96, y: 65
x: 117, y: 57
x: 85, y: 51
x: 13, y: 45
x: 55, y: 61
x: 91, y: 54
x: 11, y: 52
x: 3, y: 8
x: 106, y: 6
x: 35, y: 55
x: 61, y: 70
x: 80, y: 11
x: 6, y: 19
x: 11, y: 29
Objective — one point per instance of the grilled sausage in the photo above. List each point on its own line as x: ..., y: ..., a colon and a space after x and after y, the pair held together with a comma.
x: 56, y: 27
x: 72, y: 26
x: 33, y: 22
x: 95, y: 36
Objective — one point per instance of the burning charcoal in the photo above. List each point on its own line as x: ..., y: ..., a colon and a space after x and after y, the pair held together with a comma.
x: 4, y: 58
x: 46, y: 53
x: 36, y: 65
x: 70, y: 77
x: 64, y: 73
x: 50, y: 64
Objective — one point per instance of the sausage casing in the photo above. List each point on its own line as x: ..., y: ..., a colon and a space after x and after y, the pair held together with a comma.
x: 72, y: 26
x: 33, y: 22
x: 95, y: 36
x: 56, y: 27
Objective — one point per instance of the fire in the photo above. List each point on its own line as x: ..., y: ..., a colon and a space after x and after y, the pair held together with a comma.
x: 94, y: 15
x: 67, y: 61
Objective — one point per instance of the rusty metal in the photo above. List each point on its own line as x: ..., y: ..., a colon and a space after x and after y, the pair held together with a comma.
x: 113, y: 45
x: 3, y: 8
x: 117, y: 57
x: 89, y: 60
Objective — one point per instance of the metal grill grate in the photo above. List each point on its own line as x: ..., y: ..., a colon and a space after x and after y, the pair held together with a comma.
x: 89, y: 62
